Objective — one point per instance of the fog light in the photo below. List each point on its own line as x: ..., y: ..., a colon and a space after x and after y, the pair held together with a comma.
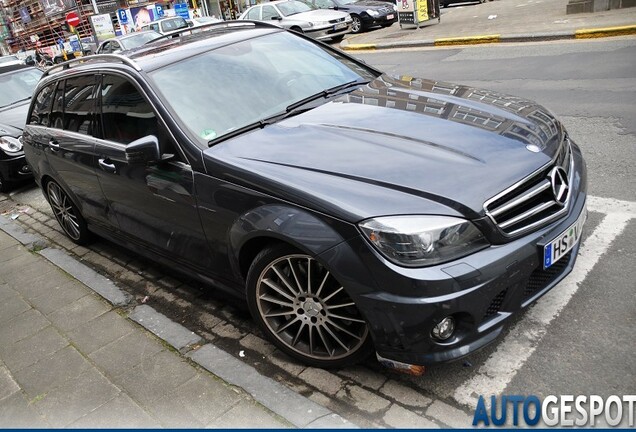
x: 444, y: 329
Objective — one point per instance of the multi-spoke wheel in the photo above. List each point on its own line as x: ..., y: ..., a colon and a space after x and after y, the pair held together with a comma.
x: 356, y: 24
x: 304, y: 310
x: 67, y: 214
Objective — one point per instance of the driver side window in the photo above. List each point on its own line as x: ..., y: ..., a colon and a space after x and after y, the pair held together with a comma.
x: 126, y: 115
x: 269, y: 12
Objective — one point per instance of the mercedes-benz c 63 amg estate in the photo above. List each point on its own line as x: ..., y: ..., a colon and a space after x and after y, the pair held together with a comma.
x: 353, y: 210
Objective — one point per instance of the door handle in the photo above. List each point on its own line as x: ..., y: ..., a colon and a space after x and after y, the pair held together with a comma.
x: 106, y: 165
x: 54, y: 145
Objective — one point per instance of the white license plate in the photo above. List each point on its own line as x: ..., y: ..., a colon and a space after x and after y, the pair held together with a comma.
x: 340, y: 26
x: 560, y: 246
x: 390, y: 17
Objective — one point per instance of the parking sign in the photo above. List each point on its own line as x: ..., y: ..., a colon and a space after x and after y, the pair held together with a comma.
x: 123, y: 17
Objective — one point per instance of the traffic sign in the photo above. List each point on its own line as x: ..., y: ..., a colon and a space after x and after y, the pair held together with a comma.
x: 72, y: 19
x: 123, y: 16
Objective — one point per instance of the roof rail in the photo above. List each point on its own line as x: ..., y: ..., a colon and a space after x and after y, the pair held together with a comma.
x: 92, y: 58
x: 220, y: 24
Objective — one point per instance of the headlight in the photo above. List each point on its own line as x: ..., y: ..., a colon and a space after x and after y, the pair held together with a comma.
x: 419, y: 241
x: 319, y: 23
x: 372, y: 12
x: 10, y: 145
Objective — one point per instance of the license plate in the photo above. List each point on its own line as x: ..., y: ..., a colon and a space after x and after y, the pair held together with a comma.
x: 340, y: 26
x: 560, y: 246
x: 390, y: 17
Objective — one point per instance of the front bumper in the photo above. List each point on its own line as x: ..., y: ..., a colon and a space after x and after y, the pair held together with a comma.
x: 14, y: 169
x: 383, y: 20
x: 328, y: 32
x: 481, y: 291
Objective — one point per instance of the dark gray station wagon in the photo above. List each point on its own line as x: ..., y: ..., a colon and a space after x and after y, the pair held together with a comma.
x: 353, y: 210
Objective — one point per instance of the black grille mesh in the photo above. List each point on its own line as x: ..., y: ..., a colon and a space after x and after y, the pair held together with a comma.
x: 541, y: 278
x: 496, y: 303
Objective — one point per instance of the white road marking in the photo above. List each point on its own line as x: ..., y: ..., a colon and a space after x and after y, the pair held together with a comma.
x: 495, y: 374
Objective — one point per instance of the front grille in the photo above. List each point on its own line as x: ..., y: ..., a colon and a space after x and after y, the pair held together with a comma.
x: 531, y: 203
x: 541, y: 278
x: 384, y: 10
x: 336, y: 21
x: 495, y: 304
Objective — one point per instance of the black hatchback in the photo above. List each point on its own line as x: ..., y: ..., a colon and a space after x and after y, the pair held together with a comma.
x: 353, y: 210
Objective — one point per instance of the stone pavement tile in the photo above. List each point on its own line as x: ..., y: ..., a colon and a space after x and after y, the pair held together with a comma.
x: 363, y: 399
x: 7, y: 385
x: 22, y: 326
x: 28, y: 351
x: 201, y: 399
x: 43, y: 280
x: 364, y: 376
x: 123, y: 354
x: 248, y: 414
x: 401, y: 418
x: 405, y: 395
x: 121, y: 412
x: 99, y: 332
x: 10, y: 251
x: 6, y: 291
x: 23, y: 269
x: 155, y: 376
x: 59, y: 296
x: 75, y: 398
x: 17, y: 412
x: 79, y: 312
x: 322, y: 380
x: 450, y: 415
x: 11, y: 307
x: 51, y: 372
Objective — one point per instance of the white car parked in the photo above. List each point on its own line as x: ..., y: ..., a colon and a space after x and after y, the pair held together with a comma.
x: 303, y: 18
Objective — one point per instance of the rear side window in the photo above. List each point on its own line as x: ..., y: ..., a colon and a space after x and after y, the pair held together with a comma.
x: 253, y: 14
x: 126, y: 114
x: 79, y: 104
x: 57, y: 113
x: 42, y: 106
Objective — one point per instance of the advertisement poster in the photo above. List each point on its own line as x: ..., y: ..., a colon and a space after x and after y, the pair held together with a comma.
x: 103, y: 27
x: 422, y: 10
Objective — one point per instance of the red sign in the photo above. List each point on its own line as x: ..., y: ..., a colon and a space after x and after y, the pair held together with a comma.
x: 72, y: 19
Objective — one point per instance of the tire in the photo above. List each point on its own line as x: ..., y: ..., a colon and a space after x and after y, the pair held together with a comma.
x: 304, y: 311
x: 297, y: 29
x: 337, y: 38
x: 67, y: 214
x: 356, y: 25
x: 4, y: 186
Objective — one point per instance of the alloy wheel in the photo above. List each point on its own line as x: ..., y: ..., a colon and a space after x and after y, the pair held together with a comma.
x: 356, y: 25
x: 305, y: 308
x: 64, y: 210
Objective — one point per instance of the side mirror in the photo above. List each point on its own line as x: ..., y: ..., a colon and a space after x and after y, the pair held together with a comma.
x: 143, y: 151
x: 277, y: 18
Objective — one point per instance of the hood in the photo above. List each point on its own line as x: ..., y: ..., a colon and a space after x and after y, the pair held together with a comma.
x: 317, y: 15
x: 397, y: 146
x: 13, y: 118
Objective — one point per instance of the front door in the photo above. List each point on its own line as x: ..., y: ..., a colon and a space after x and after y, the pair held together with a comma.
x: 154, y: 203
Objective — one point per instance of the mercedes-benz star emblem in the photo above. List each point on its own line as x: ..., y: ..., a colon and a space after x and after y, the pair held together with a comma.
x: 560, y: 187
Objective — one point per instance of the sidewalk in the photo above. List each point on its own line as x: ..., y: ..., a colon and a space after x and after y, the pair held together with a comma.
x: 499, y: 21
x: 69, y: 358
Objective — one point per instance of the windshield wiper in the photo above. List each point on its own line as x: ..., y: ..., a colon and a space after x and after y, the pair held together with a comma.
x: 291, y: 110
x: 326, y: 93
x: 15, y: 102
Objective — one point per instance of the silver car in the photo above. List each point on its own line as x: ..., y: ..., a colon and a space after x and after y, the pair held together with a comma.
x: 301, y: 17
x: 126, y: 42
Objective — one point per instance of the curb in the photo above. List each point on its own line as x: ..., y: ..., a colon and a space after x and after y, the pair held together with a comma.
x: 489, y: 39
x: 291, y: 406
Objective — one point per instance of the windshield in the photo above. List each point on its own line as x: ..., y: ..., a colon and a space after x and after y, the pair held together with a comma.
x: 240, y: 84
x: 347, y: 1
x: 138, y: 39
x: 18, y: 85
x: 293, y: 7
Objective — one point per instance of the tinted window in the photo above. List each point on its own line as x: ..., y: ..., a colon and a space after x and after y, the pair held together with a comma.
x: 126, y: 114
x: 79, y: 104
x: 57, y: 113
x: 42, y: 106
x: 269, y: 12
x: 324, y: 4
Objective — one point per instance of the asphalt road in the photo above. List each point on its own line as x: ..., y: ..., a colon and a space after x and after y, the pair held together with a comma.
x: 579, y: 339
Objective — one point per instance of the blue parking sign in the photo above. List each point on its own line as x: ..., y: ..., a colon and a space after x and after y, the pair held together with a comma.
x: 123, y: 17
x: 159, y: 10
